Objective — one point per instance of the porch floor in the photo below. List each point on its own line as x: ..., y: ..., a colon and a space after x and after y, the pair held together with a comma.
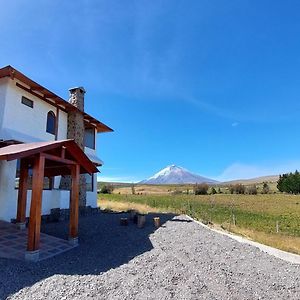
x: 13, y: 243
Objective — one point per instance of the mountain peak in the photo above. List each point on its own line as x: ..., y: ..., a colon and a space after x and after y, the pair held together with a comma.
x: 173, y: 174
x: 172, y: 167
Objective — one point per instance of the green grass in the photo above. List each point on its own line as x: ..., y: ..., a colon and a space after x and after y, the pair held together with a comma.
x: 255, y: 215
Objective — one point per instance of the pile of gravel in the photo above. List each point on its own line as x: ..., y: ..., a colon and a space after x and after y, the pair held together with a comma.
x: 180, y: 260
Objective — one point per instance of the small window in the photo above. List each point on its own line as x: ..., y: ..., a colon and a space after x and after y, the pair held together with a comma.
x: 51, y: 122
x: 27, y: 102
x: 89, y: 182
x: 89, y: 138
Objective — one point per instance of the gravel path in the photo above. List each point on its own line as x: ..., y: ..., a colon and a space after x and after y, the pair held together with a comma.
x: 180, y: 260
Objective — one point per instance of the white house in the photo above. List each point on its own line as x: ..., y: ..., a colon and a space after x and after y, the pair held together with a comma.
x: 30, y: 113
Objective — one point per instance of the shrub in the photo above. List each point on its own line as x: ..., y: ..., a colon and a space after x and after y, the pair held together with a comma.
x: 240, y: 189
x: 265, y: 189
x: 237, y: 189
x: 107, y: 189
x: 213, y: 191
x: 252, y: 190
x: 201, y: 189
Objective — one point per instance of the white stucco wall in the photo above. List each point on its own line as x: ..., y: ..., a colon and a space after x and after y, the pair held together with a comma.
x: 26, y: 122
x: 20, y: 122
x: 9, y: 195
x: 3, y: 87
x: 91, y: 197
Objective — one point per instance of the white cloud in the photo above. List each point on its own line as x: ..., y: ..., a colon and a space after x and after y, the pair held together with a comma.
x: 246, y: 171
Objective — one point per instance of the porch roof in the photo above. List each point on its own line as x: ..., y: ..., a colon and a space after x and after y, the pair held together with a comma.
x: 59, y: 156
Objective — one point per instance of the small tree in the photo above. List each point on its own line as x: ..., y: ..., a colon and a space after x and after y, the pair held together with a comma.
x: 240, y: 189
x: 237, y: 189
x: 107, y: 189
x: 265, y: 188
x: 133, y: 189
x: 201, y: 189
x: 213, y: 191
x: 219, y: 191
x: 252, y: 190
x: 289, y: 183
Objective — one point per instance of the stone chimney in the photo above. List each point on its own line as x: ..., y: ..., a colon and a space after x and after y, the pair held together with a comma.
x: 76, y: 132
x: 77, y: 97
x: 75, y: 119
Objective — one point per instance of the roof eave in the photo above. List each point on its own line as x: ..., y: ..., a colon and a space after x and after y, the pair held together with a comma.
x: 9, y: 71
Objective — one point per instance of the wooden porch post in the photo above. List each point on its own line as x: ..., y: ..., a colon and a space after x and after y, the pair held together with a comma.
x: 36, y: 203
x: 22, y: 194
x: 74, y: 204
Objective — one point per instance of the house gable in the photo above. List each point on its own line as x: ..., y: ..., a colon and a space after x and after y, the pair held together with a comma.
x: 37, y: 90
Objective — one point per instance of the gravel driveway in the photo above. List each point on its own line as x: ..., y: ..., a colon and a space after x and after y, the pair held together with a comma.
x: 180, y: 260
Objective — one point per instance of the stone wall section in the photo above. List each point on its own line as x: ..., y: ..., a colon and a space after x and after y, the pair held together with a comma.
x: 76, y: 131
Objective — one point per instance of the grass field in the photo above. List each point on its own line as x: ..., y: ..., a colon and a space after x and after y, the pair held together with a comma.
x: 126, y: 188
x: 253, y: 216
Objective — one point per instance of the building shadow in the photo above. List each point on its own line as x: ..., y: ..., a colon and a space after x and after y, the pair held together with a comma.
x: 103, y: 245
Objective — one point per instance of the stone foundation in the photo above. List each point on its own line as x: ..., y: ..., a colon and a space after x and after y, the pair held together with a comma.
x: 58, y: 214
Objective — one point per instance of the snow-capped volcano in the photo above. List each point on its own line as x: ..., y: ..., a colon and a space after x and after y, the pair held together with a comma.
x: 176, y: 175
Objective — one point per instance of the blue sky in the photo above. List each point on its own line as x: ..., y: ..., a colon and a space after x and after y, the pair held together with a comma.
x: 213, y: 86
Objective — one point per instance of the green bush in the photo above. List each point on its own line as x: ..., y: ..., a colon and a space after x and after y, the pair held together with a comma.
x: 265, y: 188
x: 201, y: 189
x: 213, y: 191
x: 289, y: 183
x: 107, y: 189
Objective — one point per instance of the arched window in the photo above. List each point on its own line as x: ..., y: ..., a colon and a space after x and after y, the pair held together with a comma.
x: 51, y: 122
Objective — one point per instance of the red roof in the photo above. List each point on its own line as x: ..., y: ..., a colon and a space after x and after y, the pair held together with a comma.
x: 53, y: 148
x: 51, y: 98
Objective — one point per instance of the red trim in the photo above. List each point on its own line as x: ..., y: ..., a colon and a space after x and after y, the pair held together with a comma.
x: 34, y: 87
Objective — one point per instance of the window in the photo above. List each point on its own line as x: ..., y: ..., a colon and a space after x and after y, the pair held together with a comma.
x: 89, y: 182
x: 51, y: 122
x: 48, y: 181
x: 89, y: 138
x: 27, y: 102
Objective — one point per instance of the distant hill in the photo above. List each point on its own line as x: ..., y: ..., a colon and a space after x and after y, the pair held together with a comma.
x: 270, y: 178
x: 176, y: 175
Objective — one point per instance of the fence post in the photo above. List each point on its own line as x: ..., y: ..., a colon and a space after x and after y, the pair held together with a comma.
x: 233, y: 219
x: 277, y: 227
